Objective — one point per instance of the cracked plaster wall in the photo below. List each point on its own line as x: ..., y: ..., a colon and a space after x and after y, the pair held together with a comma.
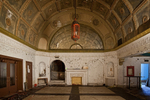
x: 97, y: 64
x: 137, y: 47
x: 13, y: 48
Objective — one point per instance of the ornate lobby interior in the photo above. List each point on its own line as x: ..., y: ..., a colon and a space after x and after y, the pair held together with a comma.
x: 74, y: 49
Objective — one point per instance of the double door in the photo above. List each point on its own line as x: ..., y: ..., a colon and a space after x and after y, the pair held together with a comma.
x: 8, y: 77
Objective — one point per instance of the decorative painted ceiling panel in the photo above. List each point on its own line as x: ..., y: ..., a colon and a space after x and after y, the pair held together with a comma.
x: 38, y: 22
x: 62, y: 39
x: 8, y: 20
x: 143, y: 15
x: 109, y: 43
x: 119, y: 34
x: 66, y: 4
x: 135, y: 3
x: 109, y: 2
x: 43, y: 2
x: 85, y: 3
x: 22, y: 30
x: 50, y: 10
x: 122, y: 10
x: 32, y: 38
x: 112, y: 20
x: 17, y: 4
x: 100, y: 8
x: 30, y: 12
x: 129, y: 27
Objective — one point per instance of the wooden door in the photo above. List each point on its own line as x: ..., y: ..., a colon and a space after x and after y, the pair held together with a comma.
x: 12, y: 77
x: 4, y: 89
x: 29, y: 74
x: 8, y: 77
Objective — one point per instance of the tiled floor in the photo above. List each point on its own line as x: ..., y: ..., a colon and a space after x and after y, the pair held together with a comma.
x: 95, y: 90
x: 82, y: 93
x: 56, y: 90
x: 47, y: 97
x: 91, y: 97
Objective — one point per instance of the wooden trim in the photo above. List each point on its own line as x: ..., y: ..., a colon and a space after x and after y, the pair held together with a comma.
x: 31, y: 74
x: 10, y: 58
x: 20, y: 75
x: 19, y: 63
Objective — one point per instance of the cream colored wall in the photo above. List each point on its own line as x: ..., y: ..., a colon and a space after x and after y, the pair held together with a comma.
x: 136, y: 62
x: 128, y: 53
x: 13, y: 48
x: 97, y: 64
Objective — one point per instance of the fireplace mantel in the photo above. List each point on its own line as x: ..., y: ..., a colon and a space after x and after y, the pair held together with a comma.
x: 76, y: 73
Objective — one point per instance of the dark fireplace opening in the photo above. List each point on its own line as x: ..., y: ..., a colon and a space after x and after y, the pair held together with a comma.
x: 57, y: 70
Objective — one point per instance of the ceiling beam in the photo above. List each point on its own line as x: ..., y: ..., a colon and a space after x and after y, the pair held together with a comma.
x: 39, y: 8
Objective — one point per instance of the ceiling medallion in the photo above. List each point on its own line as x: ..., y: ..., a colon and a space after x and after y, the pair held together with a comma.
x: 29, y: 13
x: 73, y: 16
x: 145, y: 18
x: 75, y: 35
x: 95, y: 22
x: 22, y: 32
x: 50, y: 9
x: 122, y: 11
x: 114, y: 21
x: 31, y: 38
x: 130, y: 30
x: 37, y: 23
x: 8, y: 21
x: 57, y: 23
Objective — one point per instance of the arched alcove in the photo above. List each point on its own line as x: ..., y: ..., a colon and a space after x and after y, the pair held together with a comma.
x: 57, y: 70
x: 110, y: 69
x: 42, y: 69
x: 42, y: 43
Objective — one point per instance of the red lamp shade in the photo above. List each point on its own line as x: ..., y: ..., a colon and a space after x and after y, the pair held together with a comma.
x: 75, y: 30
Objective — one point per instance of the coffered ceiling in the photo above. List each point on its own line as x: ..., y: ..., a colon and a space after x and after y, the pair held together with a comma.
x: 103, y: 22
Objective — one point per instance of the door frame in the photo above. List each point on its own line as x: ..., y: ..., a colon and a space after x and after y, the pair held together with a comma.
x: 148, y: 69
x: 19, y: 70
x: 13, y: 88
x: 27, y: 72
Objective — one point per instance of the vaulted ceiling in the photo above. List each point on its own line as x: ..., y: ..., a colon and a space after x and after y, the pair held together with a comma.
x: 103, y: 22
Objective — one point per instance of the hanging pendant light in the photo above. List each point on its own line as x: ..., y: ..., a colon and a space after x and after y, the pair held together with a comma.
x: 75, y: 35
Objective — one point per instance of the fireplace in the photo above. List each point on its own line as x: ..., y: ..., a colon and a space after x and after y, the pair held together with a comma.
x: 76, y: 80
x: 76, y: 76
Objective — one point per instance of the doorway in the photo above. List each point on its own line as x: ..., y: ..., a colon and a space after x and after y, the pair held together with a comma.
x: 29, y: 74
x: 11, y: 75
x: 144, y: 73
x: 57, y: 68
x: 8, y: 77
